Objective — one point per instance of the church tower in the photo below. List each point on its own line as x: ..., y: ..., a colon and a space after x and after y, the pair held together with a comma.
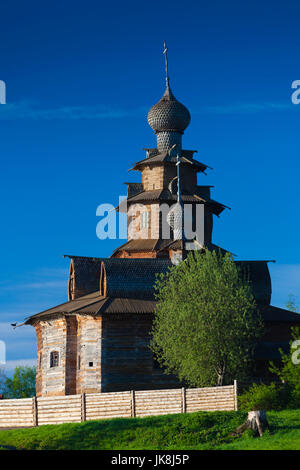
x: 164, y: 219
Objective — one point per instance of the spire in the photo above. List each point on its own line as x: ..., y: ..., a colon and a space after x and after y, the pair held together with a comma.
x: 166, y: 61
x: 168, y: 118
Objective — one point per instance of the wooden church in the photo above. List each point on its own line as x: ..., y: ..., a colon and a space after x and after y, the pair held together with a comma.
x: 98, y: 341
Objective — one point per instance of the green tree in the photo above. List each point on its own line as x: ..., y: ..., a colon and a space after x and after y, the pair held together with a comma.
x: 289, y: 369
x: 291, y: 304
x: 22, y: 384
x: 206, y: 322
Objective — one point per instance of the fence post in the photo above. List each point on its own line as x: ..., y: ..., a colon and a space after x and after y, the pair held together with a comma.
x: 132, y: 403
x: 183, y: 400
x: 235, y: 395
x: 83, y: 407
x: 35, y: 411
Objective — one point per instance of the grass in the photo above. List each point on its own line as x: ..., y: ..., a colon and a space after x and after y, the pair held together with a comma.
x: 202, y: 430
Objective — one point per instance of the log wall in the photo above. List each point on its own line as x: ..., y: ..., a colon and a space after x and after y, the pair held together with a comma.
x: 76, y: 408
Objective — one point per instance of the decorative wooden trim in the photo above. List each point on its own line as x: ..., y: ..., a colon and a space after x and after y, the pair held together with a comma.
x: 35, y: 411
x: 83, y: 407
x: 133, y: 408
x: 183, y: 395
x: 235, y: 395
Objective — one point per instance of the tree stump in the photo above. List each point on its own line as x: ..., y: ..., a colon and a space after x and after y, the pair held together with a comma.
x: 257, y: 421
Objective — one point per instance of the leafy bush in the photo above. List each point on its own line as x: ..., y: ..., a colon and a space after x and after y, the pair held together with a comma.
x: 265, y: 397
x: 289, y: 371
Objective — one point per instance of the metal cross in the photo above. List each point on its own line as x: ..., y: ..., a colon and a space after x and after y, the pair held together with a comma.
x: 166, y: 59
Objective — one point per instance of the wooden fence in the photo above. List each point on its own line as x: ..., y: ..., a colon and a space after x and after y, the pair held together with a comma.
x: 76, y: 408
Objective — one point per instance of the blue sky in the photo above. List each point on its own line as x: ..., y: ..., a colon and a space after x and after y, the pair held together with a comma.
x: 80, y: 79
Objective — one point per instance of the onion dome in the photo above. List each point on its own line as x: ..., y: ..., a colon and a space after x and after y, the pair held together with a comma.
x: 169, y: 114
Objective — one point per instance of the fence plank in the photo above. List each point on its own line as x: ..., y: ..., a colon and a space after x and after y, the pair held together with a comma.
x: 83, y: 407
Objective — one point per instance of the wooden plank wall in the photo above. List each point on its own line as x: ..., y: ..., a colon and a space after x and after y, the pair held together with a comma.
x: 57, y: 410
x: 17, y: 413
x: 91, y: 406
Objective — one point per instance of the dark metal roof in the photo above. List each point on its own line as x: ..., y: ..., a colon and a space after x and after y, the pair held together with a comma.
x: 275, y: 314
x: 147, y: 244
x: 97, y: 305
x: 131, y: 278
x: 139, y: 244
x: 86, y: 273
x: 68, y: 307
x: 168, y: 114
x: 134, y: 188
x: 258, y: 274
x: 154, y: 151
x: 164, y: 157
x: 94, y: 304
x: 122, y: 305
x: 164, y: 195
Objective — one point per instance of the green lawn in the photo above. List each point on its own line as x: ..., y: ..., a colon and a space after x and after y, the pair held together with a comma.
x: 203, y: 430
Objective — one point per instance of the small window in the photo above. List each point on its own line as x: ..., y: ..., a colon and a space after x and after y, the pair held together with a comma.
x: 145, y: 219
x: 91, y: 364
x: 40, y: 360
x: 54, y: 359
x: 78, y: 362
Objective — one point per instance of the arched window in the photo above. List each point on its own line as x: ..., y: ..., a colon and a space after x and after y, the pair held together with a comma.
x: 54, y: 359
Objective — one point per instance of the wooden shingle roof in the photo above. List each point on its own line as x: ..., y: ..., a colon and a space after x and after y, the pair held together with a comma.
x: 164, y: 158
x: 164, y: 195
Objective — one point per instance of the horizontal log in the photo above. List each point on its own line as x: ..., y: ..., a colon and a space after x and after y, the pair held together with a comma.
x: 156, y: 413
x: 161, y: 406
x: 58, y: 408
x: 191, y: 409
x: 19, y: 415
x: 58, y: 403
x: 206, y: 405
x: 51, y: 414
x: 108, y: 405
x: 210, y: 392
x: 159, y: 393
x: 230, y: 400
x: 109, y: 412
x: 200, y: 399
x: 60, y: 400
x: 108, y: 394
x: 18, y: 422
x: 162, y: 400
x: 104, y: 396
x: 59, y: 412
x: 94, y: 418
x: 161, y: 390
x: 104, y: 400
x: 15, y: 400
x: 57, y: 421
x: 15, y: 409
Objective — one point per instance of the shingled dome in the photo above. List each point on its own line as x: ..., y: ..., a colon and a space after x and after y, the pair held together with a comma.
x: 168, y: 114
